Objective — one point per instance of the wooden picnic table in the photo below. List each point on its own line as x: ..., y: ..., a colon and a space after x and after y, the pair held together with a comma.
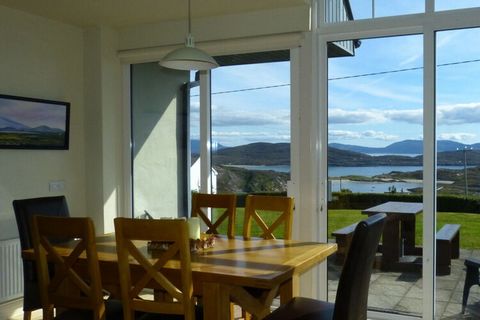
x: 398, y: 241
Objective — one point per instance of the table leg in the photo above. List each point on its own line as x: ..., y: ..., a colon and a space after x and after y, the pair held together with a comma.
x: 391, y: 242
x: 408, y: 235
x: 216, y: 301
x: 289, y: 289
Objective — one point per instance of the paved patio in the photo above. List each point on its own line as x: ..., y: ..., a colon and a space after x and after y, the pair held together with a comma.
x: 401, y: 292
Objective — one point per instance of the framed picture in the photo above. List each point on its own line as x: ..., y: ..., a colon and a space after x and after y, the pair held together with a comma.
x: 28, y: 123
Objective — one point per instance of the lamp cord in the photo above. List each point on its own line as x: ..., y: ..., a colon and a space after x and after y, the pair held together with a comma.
x: 189, y: 18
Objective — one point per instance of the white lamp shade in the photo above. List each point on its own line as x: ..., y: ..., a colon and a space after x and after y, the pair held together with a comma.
x: 188, y: 58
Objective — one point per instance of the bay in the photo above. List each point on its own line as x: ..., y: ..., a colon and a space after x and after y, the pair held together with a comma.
x: 337, y: 183
x: 348, y: 171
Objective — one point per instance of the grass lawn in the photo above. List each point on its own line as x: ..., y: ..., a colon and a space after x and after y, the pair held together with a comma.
x: 267, y: 216
x: 469, y: 231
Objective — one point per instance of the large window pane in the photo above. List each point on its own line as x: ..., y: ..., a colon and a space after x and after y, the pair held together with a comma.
x: 251, y: 127
x: 458, y: 173
x: 368, y: 9
x: 251, y: 130
x: 375, y: 127
x: 441, y: 5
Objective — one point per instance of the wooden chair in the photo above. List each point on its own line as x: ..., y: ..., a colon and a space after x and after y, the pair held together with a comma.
x: 152, y: 269
x: 472, y: 277
x: 201, y: 201
x: 82, y: 298
x: 255, y: 207
x: 25, y: 209
x: 283, y: 206
x: 352, y: 293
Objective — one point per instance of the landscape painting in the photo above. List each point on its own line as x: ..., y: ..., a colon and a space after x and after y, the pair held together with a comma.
x: 28, y: 123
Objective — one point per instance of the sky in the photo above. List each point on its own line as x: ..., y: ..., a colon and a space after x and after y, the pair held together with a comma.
x: 375, y: 97
x: 33, y: 114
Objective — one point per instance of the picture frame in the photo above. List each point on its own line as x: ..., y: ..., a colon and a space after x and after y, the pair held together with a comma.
x: 30, y: 123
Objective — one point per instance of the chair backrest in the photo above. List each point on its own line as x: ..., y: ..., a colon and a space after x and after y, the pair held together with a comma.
x: 152, y: 268
x: 84, y: 292
x: 352, y: 292
x: 202, y: 201
x: 280, y: 210
x: 24, y: 210
x: 45, y: 206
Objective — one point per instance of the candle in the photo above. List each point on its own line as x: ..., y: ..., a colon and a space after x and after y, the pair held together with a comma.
x: 194, y: 228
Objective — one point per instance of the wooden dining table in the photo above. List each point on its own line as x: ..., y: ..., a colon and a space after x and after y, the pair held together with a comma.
x: 250, y: 273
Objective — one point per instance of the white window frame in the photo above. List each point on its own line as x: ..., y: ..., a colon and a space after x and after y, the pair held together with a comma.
x: 425, y: 24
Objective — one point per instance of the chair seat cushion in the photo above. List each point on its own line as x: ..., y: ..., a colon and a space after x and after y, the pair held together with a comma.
x: 303, y: 309
x: 114, y: 311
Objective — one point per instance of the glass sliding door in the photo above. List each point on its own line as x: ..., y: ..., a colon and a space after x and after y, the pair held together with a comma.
x: 251, y: 127
x: 250, y: 138
x: 375, y: 146
x: 159, y: 150
x: 458, y: 171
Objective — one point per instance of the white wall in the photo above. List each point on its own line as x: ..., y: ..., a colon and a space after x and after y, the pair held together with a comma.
x: 159, y: 156
x: 43, y: 59
x: 103, y: 128
x: 227, y: 27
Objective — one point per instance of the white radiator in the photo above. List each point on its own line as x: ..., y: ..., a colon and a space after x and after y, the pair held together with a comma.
x: 11, y: 270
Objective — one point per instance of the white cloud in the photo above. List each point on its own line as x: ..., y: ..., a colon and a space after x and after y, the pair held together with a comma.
x: 346, y: 134
x: 232, y: 138
x: 376, y: 116
x: 466, y: 113
x: 355, y: 116
x: 408, y: 115
x: 379, y: 135
x: 248, y: 119
x: 459, y: 113
x: 457, y: 136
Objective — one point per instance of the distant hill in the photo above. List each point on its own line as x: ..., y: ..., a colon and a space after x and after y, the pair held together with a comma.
x: 404, y: 147
x: 195, y: 145
x: 259, y: 153
x: 263, y: 153
x: 7, y: 125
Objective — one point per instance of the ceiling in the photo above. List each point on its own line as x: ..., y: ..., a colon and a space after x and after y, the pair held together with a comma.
x: 120, y: 13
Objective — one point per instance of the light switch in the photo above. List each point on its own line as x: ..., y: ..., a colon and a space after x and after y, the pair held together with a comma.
x: 56, y: 186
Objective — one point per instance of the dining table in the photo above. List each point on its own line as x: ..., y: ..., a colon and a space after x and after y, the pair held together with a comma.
x: 249, y: 273
x: 398, y: 239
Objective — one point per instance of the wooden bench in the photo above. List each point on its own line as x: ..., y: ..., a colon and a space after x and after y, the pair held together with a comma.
x: 448, y: 247
x: 343, y: 237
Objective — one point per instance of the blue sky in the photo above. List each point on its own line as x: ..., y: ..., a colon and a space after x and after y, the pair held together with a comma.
x: 368, y: 109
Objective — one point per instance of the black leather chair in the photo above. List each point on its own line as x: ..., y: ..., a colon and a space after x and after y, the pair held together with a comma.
x: 24, y: 210
x: 471, y: 278
x: 352, y: 292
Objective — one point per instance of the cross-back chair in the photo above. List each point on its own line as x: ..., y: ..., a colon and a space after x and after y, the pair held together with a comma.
x: 203, y: 201
x: 78, y: 293
x: 255, y: 205
x: 352, y: 292
x: 152, y: 268
x: 24, y: 210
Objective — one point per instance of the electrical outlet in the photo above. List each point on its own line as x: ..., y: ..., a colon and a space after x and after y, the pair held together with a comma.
x: 56, y: 186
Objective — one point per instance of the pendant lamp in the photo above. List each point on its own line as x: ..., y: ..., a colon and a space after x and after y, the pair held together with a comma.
x: 188, y: 57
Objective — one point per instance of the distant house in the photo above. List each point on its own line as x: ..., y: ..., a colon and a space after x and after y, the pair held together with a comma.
x: 195, y: 176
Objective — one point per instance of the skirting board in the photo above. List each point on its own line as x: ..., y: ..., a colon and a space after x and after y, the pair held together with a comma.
x: 12, y: 310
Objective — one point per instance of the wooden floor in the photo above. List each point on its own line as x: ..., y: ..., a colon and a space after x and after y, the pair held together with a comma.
x: 13, y: 311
